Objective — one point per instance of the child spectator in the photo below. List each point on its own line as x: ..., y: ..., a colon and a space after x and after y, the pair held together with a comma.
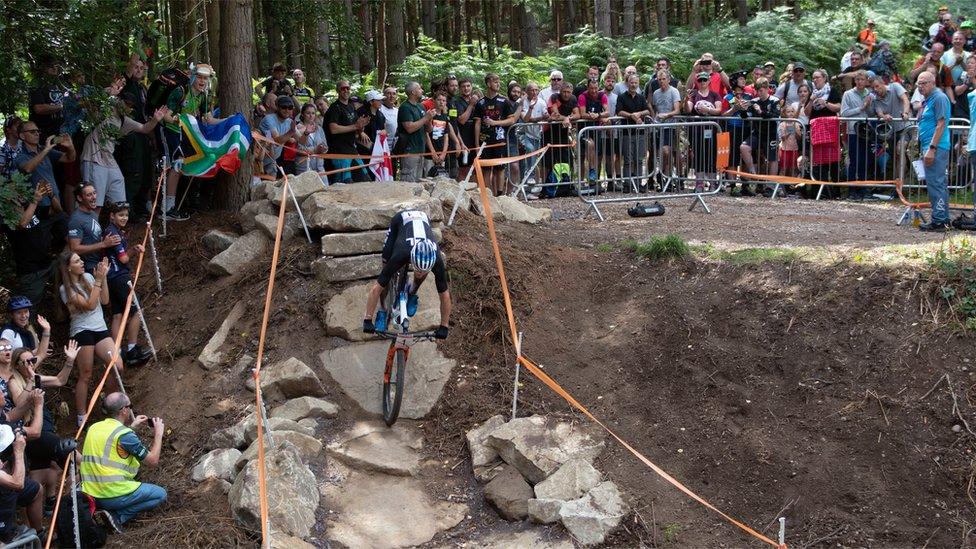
x: 20, y: 332
x: 789, y: 143
x: 119, y: 283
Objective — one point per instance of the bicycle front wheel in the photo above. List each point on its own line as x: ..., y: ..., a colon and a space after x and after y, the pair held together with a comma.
x: 393, y: 380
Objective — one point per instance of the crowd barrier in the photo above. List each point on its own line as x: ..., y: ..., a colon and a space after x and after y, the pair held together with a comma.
x: 534, y: 174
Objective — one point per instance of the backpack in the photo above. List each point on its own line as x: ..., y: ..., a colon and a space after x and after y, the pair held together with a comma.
x: 561, y: 173
x: 160, y: 88
x: 92, y: 535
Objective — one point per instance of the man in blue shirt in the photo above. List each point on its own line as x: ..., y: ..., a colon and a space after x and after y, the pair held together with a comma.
x: 933, y: 139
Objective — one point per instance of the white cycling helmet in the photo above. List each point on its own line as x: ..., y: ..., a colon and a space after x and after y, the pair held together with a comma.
x: 423, y: 255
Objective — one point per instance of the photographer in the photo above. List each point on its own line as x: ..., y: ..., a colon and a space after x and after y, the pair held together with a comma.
x: 15, y: 489
x: 111, y: 459
x: 718, y: 81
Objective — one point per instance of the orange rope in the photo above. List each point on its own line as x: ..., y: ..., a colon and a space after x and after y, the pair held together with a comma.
x: 111, y: 364
x: 549, y: 382
x: 800, y: 181
x: 335, y: 156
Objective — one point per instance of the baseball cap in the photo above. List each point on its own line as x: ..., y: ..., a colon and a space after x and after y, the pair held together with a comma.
x: 285, y: 102
x: 373, y: 95
x: 704, y: 76
x: 769, y: 64
x: 19, y: 302
x: 966, y: 25
x: 798, y: 66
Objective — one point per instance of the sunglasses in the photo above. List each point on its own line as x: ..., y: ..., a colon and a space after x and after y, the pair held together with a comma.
x: 122, y: 205
x: 32, y: 361
x: 703, y: 79
x: 6, y: 347
x: 555, y: 79
x: 30, y: 131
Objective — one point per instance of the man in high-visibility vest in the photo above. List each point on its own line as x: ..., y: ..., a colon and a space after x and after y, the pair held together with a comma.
x: 111, y: 458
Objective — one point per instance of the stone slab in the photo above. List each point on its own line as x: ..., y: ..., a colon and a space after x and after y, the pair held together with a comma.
x: 343, y: 314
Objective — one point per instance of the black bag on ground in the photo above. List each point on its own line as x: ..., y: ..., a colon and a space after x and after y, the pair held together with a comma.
x: 92, y: 535
x: 646, y: 210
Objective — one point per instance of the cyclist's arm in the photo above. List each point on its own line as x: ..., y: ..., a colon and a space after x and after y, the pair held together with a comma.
x: 391, y: 237
x: 443, y: 293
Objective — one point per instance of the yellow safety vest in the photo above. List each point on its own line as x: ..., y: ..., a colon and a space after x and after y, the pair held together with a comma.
x: 104, y: 472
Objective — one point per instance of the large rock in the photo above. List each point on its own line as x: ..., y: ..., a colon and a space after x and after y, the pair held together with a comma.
x: 244, y: 250
x: 217, y: 241
x: 233, y: 436
x: 358, y: 369
x: 371, y: 446
x: 290, y: 378
x: 590, y: 518
x: 308, y: 447
x: 211, y: 355
x: 481, y: 453
x: 385, y: 511
x: 277, y: 540
x: 537, y: 446
x: 216, y: 464
x: 478, y: 207
x: 268, y: 225
x: 302, y: 186
x: 344, y: 269
x: 292, y: 492
x: 250, y: 210
x: 544, y: 511
x: 509, y: 494
x: 343, y: 313
x: 368, y: 242
x: 300, y: 408
x: 366, y: 206
x: 514, y: 210
x: 275, y: 425
x: 449, y: 191
x: 572, y: 480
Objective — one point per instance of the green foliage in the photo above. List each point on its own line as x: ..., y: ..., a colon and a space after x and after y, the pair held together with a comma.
x: 14, y: 191
x: 952, y: 270
x: 671, y: 246
x: 604, y: 248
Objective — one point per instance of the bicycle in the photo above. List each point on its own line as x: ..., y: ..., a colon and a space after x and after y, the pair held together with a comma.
x: 394, y: 373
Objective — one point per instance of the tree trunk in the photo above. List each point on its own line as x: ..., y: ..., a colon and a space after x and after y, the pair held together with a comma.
x: 428, y: 15
x: 601, y: 16
x: 557, y: 22
x: 742, y: 12
x: 570, y: 23
x: 411, y: 25
x: 396, y: 50
x: 234, y: 91
x: 366, y: 25
x: 323, y: 67
x: 213, y: 33
x: 350, y: 42
x: 273, y: 32
x: 628, y: 18
x: 696, y: 16
x: 191, y: 30
x: 381, y: 66
x: 260, y: 58
x: 529, y: 37
x: 662, y: 18
x: 455, y: 21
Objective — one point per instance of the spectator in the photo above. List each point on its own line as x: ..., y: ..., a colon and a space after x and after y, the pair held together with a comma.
x: 769, y: 71
x: 965, y: 84
x: 390, y: 112
x: 453, y: 88
x: 702, y: 101
x: 411, y: 137
x: 85, y: 236
x: 955, y: 57
x: 534, y: 111
x: 310, y: 139
x: 133, y: 153
x: 267, y: 105
x: 84, y: 294
x: 555, y: 86
x: 111, y: 459
x: 375, y: 124
x: 622, y: 86
x: 441, y: 137
x: 593, y: 109
x: 653, y: 83
x: 38, y: 162
x: 561, y: 109
x: 757, y: 73
x: 857, y: 103
x: 280, y: 128
x: 515, y: 98
x: 46, y: 100
x: 762, y: 139
x: 891, y: 106
x: 867, y: 37
x: 98, y: 157
x: 787, y: 91
x: 932, y: 63
x: 342, y: 125
x: 15, y: 489
x: 632, y: 107
x: 30, y: 242
x: 789, y: 134
x: 119, y: 283
x: 11, y: 145
x: 277, y: 83
x: 824, y: 102
x: 21, y: 334
x: 883, y: 62
x: 824, y: 99
x: 592, y: 73
x: 610, y: 144
x: 934, y: 28
x: 966, y: 27
x: 933, y: 138
x: 465, y: 104
x: 665, y: 105
x: 944, y: 35
x: 847, y: 74
x: 803, y: 99
x: 301, y: 92
x: 718, y: 81
x: 194, y: 101
x: 492, y: 117
x: 321, y: 107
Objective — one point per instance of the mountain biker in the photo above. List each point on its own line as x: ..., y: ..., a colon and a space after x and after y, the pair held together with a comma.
x: 409, y: 240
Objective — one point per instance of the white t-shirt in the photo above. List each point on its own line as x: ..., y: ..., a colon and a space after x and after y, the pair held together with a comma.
x: 391, y: 120
x: 13, y: 337
x: 846, y: 61
x: 93, y: 320
x: 533, y: 110
x: 547, y: 93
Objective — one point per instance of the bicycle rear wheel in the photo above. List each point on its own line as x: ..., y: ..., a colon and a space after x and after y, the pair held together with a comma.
x: 393, y: 380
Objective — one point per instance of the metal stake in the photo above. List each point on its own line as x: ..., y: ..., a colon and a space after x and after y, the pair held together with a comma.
x: 74, y: 502
x: 142, y: 321
x: 518, y: 367
x: 297, y: 207
x: 782, y: 530
x: 467, y: 178
x: 155, y: 258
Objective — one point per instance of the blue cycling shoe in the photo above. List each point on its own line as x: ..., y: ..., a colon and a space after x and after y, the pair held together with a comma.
x: 381, y: 320
x: 412, y: 304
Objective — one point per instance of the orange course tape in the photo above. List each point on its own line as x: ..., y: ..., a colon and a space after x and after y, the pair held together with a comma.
x: 549, y: 382
x: 333, y: 156
x: 115, y: 357
x: 800, y: 181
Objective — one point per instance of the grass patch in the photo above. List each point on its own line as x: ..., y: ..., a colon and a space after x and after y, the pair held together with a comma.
x: 603, y: 248
x: 671, y: 246
x: 952, y: 276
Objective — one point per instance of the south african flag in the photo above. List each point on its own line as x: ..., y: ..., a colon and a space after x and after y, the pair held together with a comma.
x: 208, y: 148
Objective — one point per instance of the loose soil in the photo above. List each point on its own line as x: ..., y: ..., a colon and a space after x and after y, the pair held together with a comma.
x: 798, y: 387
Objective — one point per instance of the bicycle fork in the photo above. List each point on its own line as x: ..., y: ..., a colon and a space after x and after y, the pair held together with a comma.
x: 391, y: 356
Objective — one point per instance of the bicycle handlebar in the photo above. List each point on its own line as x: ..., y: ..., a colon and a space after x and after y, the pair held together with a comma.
x: 406, y: 335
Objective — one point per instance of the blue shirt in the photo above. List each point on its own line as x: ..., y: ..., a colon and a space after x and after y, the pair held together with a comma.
x: 935, y: 108
x: 44, y: 170
x: 281, y: 126
x: 971, y: 142
x: 131, y: 444
x: 115, y: 266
